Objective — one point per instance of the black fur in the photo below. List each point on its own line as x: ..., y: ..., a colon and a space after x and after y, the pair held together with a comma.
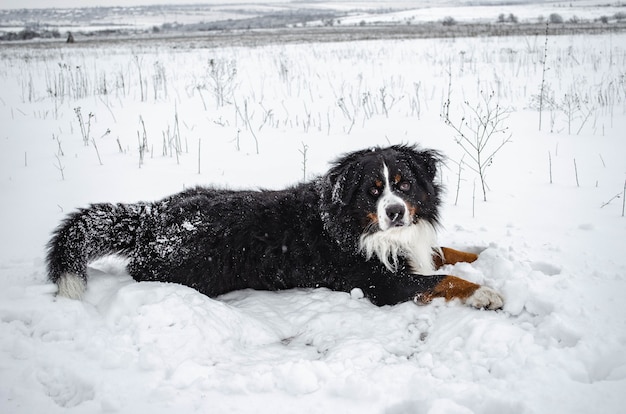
x: 217, y: 241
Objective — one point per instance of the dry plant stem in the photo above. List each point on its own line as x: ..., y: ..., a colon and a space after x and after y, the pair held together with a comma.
x: 550, y: 165
x: 247, y: 121
x: 624, y: 199
x: 141, y: 150
x: 60, y: 167
x: 138, y: 64
x: 474, y: 200
x: 93, y: 141
x: 618, y: 195
x: 199, y: 153
x: 143, y: 142
x: 458, y: 182
x: 179, y: 146
x: 543, y: 75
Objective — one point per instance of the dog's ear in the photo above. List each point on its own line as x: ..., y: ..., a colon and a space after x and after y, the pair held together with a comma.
x: 339, y: 183
x: 423, y: 163
x: 431, y: 159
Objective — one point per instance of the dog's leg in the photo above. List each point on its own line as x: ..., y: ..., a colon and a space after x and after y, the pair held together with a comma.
x: 452, y: 287
x: 423, y: 289
x: 451, y: 256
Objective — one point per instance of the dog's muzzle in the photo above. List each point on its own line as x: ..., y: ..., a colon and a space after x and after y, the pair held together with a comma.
x: 395, y: 213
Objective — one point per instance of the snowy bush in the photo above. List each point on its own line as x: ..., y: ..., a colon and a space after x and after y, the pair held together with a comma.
x: 555, y: 18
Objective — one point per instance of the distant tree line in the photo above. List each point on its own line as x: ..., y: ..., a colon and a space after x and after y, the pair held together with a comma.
x: 28, y: 34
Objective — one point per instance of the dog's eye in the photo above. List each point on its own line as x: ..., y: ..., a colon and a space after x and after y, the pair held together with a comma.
x: 374, y: 191
x: 404, y: 186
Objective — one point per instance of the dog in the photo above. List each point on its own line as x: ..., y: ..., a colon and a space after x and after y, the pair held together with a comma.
x: 368, y: 223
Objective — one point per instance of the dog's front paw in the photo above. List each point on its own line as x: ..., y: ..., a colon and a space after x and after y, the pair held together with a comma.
x: 485, y: 298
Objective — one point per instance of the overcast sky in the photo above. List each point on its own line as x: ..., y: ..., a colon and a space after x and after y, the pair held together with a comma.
x: 38, y: 4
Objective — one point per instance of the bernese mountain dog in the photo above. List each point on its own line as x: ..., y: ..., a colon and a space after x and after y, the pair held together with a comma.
x: 368, y: 224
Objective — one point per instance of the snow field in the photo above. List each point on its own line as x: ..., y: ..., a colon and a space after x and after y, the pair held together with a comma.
x: 552, y: 249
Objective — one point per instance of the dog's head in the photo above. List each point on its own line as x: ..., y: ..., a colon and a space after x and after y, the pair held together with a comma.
x: 384, y: 202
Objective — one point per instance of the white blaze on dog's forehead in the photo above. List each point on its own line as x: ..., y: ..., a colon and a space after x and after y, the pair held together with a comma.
x: 386, y: 175
x: 387, y: 199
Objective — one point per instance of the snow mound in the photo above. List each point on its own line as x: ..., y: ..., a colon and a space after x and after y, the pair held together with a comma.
x: 153, y: 345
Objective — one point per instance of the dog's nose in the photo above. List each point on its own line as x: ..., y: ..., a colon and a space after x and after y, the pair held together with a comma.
x: 395, y: 212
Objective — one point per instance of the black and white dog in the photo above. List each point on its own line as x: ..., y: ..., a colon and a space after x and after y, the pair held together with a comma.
x: 369, y: 223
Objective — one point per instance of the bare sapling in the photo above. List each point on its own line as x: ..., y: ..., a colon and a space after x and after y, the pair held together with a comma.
x: 341, y: 103
x: 159, y: 80
x: 85, y: 127
x: 59, y: 166
x: 477, y: 135
x: 384, y: 101
x: 246, y: 119
x: 416, y: 107
x: 574, y: 108
x: 570, y: 105
x: 303, y: 151
x: 221, y: 79
x: 59, y: 149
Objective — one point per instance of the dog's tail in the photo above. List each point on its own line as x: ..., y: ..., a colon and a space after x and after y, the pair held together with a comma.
x: 86, y: 235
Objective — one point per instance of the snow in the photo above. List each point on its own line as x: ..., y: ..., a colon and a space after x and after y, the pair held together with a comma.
x: 553, y: 250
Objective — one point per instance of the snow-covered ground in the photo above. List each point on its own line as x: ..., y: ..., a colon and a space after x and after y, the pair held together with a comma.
x: 267, y: 117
